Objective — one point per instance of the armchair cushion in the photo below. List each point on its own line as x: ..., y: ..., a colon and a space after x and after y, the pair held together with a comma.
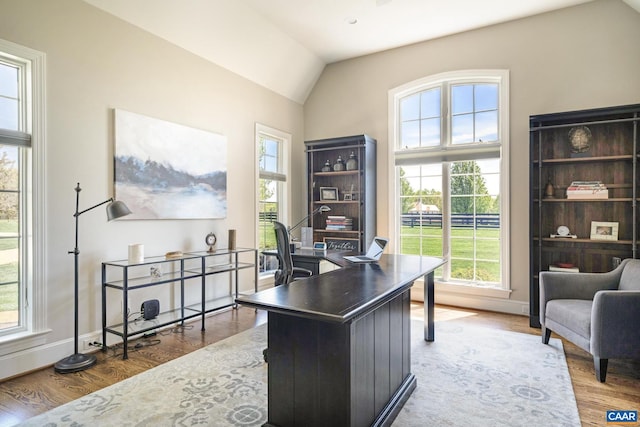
x: 571, y: 318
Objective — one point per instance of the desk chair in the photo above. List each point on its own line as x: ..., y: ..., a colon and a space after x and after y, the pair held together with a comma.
x: 287, y: 272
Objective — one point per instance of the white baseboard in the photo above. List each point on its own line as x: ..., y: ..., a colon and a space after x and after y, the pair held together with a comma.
x: 31, y: 359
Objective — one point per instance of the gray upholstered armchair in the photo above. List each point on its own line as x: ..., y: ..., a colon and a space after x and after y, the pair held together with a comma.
x: 599, y: 312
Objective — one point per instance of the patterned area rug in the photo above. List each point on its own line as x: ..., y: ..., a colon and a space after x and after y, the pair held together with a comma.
x: 469, y: 376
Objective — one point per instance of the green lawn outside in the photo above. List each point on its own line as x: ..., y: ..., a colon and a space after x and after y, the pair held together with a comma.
x: 462, y: 248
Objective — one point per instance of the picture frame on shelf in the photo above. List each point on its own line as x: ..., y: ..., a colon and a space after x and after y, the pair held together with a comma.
x: 328, y: 193
x: 347, y: 197
x: 601, y: 230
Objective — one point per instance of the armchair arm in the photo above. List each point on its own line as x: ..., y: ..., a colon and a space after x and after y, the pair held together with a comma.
x: 560, y: 285
x: 615, y: 317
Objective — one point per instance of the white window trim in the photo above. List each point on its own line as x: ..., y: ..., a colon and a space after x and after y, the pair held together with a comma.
x: 36, y: 326
x: 394, y: 95
x: 260, y: 129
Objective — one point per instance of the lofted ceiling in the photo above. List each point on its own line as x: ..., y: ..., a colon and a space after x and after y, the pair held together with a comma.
x: 284, y: 45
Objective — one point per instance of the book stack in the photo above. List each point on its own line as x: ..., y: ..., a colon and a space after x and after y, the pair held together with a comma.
x: 339, y: 223
x: 587, y: 190
x: 564, y: 268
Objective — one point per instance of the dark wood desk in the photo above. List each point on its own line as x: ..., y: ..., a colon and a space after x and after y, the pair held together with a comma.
x: 339, y: 350
x: 311, y: 259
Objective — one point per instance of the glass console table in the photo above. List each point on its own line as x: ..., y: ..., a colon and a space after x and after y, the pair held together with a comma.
x: 190, y: 269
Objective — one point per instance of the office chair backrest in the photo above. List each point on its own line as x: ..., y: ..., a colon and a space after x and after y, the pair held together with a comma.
x: 283, y: 276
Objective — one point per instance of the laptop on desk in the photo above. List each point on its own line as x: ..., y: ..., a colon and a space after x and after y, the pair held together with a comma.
x: 373, y: 254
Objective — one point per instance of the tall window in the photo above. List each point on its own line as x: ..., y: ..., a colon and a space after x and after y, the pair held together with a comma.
x: 450, y: 143
x: 21, y: 82
x: 273, y: 189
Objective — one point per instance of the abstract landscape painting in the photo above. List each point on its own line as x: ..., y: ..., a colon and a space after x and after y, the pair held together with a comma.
x: 164, y: 170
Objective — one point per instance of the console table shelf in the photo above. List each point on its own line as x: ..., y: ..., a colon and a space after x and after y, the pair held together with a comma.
x: 189, y: 270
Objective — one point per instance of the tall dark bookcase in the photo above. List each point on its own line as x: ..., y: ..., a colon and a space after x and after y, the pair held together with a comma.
x: 589, y: 145
x: 350, y: 192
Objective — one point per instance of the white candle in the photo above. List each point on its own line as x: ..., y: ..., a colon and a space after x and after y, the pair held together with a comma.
x: 136, y: 253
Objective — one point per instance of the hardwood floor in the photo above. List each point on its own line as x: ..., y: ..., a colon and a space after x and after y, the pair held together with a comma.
x: 34, y: 393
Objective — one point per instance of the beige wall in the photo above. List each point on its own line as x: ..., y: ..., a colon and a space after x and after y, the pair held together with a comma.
x: 95, y: 63
x: 576, y: 58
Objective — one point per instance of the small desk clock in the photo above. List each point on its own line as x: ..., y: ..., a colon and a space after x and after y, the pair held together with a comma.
x: 319, y: 246
x: 211, y: 240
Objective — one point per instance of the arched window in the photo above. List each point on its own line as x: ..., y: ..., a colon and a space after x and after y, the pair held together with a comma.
x: 449, y: 144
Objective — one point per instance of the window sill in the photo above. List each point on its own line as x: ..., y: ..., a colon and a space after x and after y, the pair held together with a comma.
x: 22, y: 341
x: 458, y: 288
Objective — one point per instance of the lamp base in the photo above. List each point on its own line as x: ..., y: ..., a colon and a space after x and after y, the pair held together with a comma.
x: 74, y: 363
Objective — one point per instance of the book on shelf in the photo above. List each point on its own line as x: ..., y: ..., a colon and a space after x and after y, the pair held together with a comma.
x: 586, y: 183
x: 339, y: 223
x: 564, y: 269
x: 587, y: 190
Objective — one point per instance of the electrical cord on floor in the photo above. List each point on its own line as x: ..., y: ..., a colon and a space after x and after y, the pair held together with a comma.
x: 142, y: 342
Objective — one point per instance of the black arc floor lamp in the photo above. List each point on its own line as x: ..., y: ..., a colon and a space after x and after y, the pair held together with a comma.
x: 79, y: 361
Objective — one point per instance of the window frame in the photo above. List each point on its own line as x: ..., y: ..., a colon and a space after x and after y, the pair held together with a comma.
x: 284, y: 184
x: 33, y: 256
x: 448, y: 152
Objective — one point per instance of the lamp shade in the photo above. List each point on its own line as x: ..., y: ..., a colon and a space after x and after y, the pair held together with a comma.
x: 117, y: 209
